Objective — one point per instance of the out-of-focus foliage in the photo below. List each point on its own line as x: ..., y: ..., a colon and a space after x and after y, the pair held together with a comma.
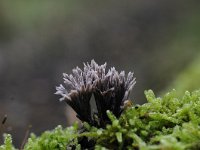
x: 7, y: 143
x: 188, y: 79
x: 170, y: 122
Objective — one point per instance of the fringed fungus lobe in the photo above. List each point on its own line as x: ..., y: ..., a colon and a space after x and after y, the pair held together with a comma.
x: 110, y: 89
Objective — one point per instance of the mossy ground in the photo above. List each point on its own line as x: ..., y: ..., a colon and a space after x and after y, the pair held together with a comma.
x: 170, y: 122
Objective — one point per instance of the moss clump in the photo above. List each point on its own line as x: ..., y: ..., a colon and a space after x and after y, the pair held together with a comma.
x: 170, y: 122
x: 161, y: 123
x: 57, y: 139
x: 7, y: 143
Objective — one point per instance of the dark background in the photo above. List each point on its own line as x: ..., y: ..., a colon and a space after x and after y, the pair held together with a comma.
x: 39, y: 40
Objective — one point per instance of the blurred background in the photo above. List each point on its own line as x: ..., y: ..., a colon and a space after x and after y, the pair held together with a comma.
x: 39, y: 40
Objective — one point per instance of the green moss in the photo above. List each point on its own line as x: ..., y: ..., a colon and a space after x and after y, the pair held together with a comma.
x: 163, y: 123
x: 7, y: 143
x: 57, y: 139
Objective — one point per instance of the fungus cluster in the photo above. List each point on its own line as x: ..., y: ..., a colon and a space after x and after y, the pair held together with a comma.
x: 109, y: 88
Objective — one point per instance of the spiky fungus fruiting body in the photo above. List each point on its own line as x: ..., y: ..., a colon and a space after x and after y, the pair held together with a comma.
x: 110, y: 89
